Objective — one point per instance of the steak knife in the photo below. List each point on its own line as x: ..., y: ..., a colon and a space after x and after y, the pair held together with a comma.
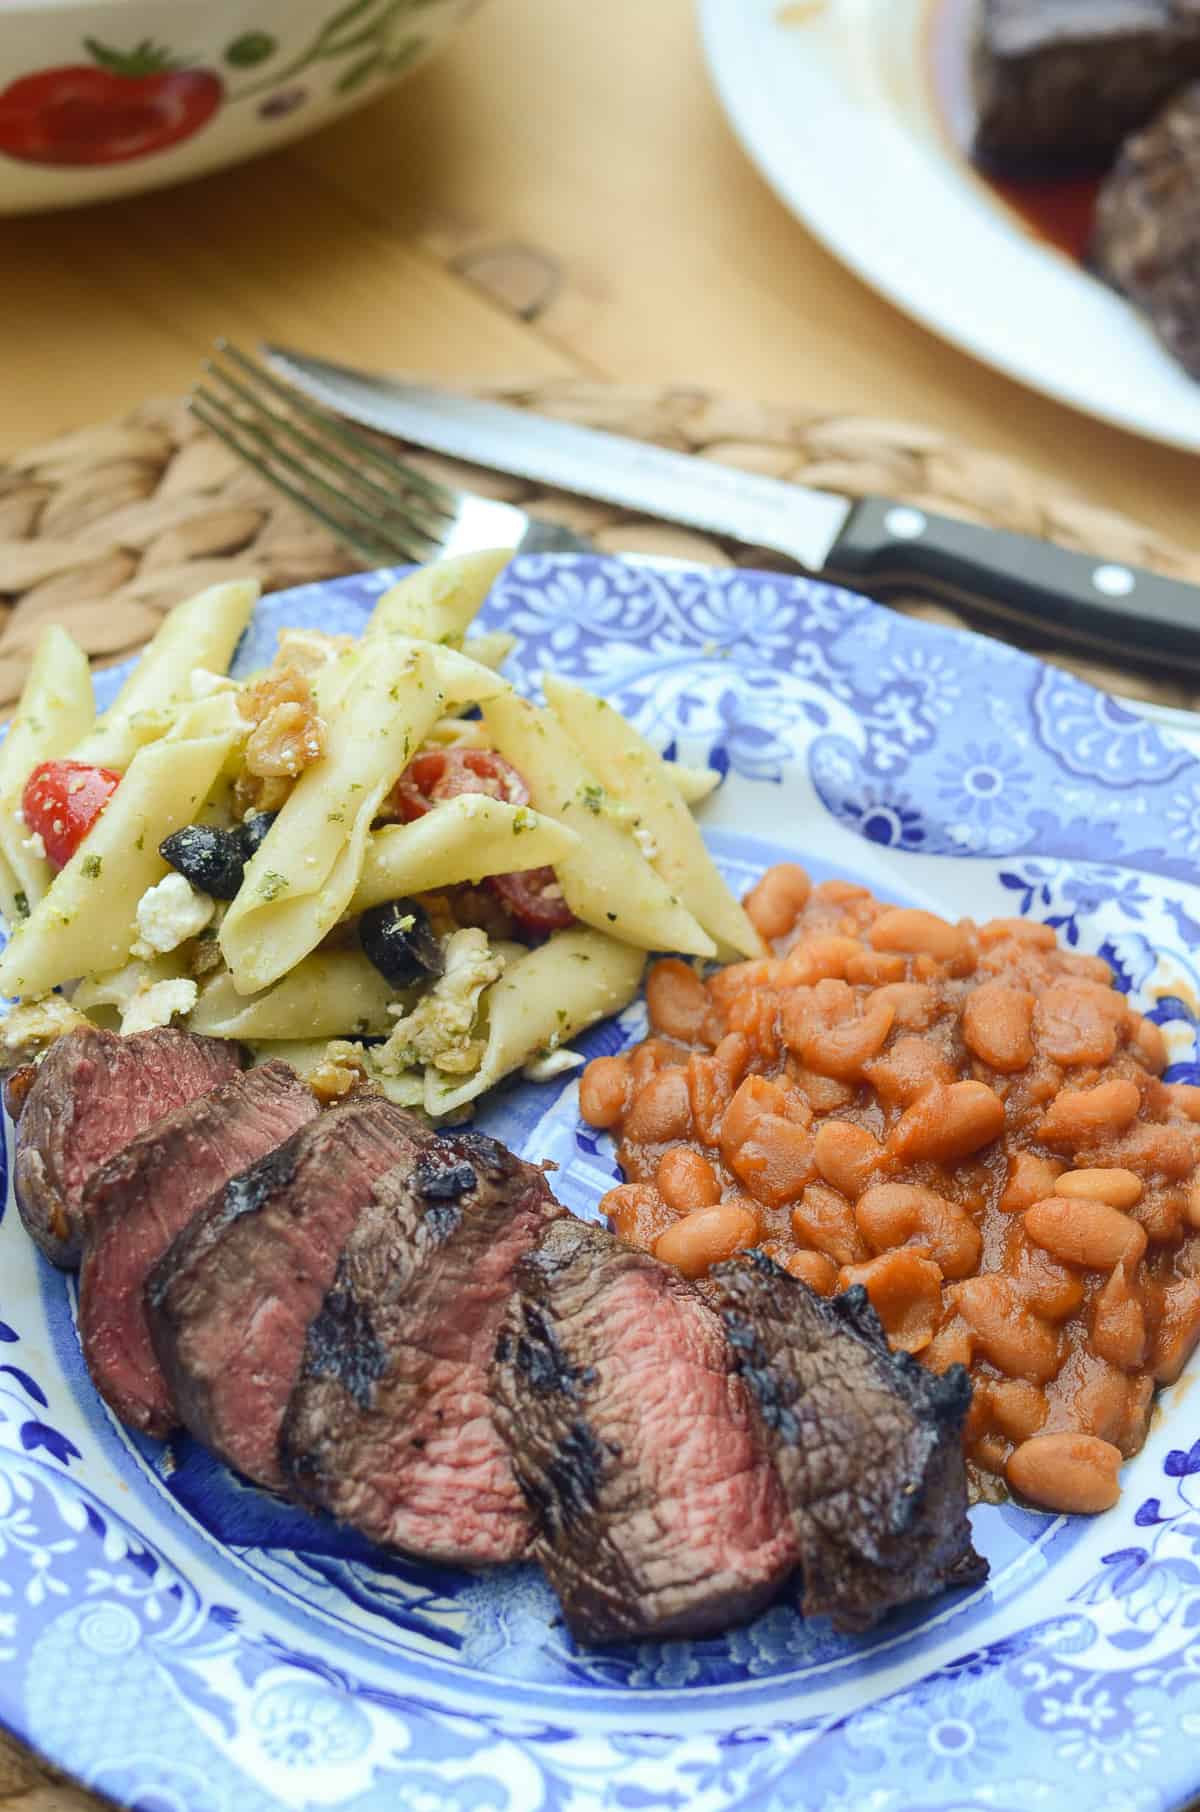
x: 882, y: 547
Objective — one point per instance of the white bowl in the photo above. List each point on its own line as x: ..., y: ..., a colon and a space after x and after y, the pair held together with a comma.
x: 109, y: 97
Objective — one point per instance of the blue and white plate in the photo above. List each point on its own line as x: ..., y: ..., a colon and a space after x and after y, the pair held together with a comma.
x: 185, y: 1643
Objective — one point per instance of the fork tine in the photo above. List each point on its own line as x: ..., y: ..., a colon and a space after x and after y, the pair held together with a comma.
x: 440, y: 496
x: 393, y: 530
x: 376, y: 549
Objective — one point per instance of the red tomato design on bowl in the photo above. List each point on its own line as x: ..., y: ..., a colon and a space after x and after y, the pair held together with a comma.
x: 121, y: 106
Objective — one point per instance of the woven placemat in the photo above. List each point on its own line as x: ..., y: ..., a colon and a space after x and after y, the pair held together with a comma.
x: 104, y: 529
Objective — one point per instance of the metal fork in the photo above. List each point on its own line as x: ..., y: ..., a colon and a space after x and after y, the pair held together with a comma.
x: 385, y: 510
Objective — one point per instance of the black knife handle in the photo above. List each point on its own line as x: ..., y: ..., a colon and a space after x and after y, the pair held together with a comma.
x: 887, y: 549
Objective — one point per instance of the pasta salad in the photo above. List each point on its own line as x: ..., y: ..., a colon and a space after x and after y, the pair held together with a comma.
x: 373, y: 857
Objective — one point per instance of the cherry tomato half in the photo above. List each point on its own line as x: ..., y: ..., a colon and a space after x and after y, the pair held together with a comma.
x: 61, y: 802
x: 532, y: 895
x: 438, y: 774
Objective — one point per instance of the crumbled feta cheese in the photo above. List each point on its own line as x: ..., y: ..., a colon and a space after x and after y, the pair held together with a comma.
x: 549, y: 1064
x: 438, y: 1030
x: 169, y: 913
x: 158, y: 1005
x: 645, y: 842
x: 35, y: 845
x: 203, y: 683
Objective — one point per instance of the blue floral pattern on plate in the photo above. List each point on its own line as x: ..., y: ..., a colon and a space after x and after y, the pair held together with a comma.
x: 184, y: 1642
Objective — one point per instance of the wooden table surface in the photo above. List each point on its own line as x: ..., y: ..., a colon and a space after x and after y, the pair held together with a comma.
x: 560, y: 193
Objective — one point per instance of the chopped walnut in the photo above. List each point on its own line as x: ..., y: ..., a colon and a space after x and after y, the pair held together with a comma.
x: 288, y: 734
x: 338, y: 1074
x: 204, y: 957
x: 308, y: 650
x: 254, y: 793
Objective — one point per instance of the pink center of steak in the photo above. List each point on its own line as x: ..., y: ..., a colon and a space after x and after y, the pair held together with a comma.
x: 134, y: 1206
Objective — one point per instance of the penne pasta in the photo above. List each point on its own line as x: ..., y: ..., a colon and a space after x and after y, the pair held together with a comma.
x: 331, y: 994
x: 463, y: 839
x: 543, y: 998
x: 491, y: 648
x: 56, y: 709
x: 634, y: 773
x: 86, y: 924
x: 202, y: 632
x: 692, y: 784
x: 439, y: 602
x: 304, y: 875
x: 606, y: 881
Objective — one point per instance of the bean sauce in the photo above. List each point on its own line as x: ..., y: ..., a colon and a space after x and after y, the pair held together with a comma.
x: 967, y: 1120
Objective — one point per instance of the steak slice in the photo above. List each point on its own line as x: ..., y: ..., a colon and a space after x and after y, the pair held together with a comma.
x: 390, y: 1426
x: 1147, y: 235
x: 94, y: 1092
x: 657, y: 1510
x: 867, y: 1443
x: 230, y: 1301
x: 1060, y: 83
x: 136, y: 1203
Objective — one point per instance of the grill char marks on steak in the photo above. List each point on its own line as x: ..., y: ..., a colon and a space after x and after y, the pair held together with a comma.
x: 136, y: 1204
x: 1060, y: 84
x: 1147, y: 237
x: 94, y: 1092
x: 867, y: 1443
x: 231, y: 1300
x: 390, y: 1426
x: 657, y: 1510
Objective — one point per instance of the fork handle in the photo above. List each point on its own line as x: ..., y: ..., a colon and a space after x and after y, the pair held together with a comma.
x: 543, y: 537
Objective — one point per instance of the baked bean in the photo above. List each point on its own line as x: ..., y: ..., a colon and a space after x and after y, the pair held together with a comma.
x: 711, y: 1082
x: 906, y: 1214
x: 1185, y: 1098
x: 638, y: 1214
x: 914, y: 1004
x: 1075, y: 1473
x: 756, y: 1016
x: 1082, y: 1231
x: 846, y: 1155
x: 1172, y: 1149
x: 686, y: 1180
x: 1080, y: 1115
x: 697, y: 1241
x: 843, y: 1050
x: 1178, y: 1329
x: 1089, y: 968
x: 649, y: 1057
x: 825, y: 1219
x: 1076, y: 1022
x: 1191, y: 1211
x: 604, y: 1090
x: 823, y: 1094
x: 953, y: 1344
x: 1018, y: 1408
x: 774, y: 1161
x: 1030, y: 1179
x: 1104, y: 1402
x: 996, y: 1025
x: 947, y: 1122
x: 742, y: 978
x: 676, y: 1000
x: 1119, y: 1322
x: 907, y: 1068
x: 875, y: 967
x: 915, y: 932
x: 839, y: 892
x: 1051, y: 1289
x: 1020, y: 931
x: 1148, y: 1043
x: 814, y: 1269
x: 660, y: 1110
x: 818, y: 958
x: 1018, y: 1342
x: 1119, y: 1188
x: 756, y: 1096
x: 775, y: 903
x: 906, y: 1293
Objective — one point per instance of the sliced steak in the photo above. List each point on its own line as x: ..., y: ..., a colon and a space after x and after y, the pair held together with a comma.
x: 93, y: 1093
x: 231, y: 1299
x: 657, y: 1510
x: 390, y: 1425
x: 1147, y: 236
x: 135, y: 1205
x: 867, y: 1443
x: 1060, y: 83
